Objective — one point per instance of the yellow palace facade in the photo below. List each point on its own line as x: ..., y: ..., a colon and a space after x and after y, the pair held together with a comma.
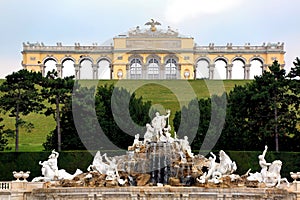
x: 152, y: 54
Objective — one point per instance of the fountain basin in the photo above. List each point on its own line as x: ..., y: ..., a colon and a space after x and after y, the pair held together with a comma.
x: 166, y: 192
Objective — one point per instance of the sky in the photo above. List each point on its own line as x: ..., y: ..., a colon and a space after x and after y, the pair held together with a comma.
x: 89, y: 21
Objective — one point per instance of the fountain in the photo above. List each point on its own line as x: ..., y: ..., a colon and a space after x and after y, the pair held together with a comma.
x: 159, y: 159
x: 155, y: 166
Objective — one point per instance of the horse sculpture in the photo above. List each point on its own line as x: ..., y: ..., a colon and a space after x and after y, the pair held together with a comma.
x: 273, y: 176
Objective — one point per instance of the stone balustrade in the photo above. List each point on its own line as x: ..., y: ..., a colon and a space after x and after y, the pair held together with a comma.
x: 38, y: 47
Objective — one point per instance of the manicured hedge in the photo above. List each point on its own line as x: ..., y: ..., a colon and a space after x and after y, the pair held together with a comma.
x: 249, y: 159
x: 71, y: 160
x: 29, y: 161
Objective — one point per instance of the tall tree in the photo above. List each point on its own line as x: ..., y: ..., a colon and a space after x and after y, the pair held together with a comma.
x: 207, y: 125
x: 57, y: 91
x: 261, y: 110
x: 4, y: 134
x: 77, y: 109
x: 21, y: 97
x: 118, y: 125
x: 91, y: 115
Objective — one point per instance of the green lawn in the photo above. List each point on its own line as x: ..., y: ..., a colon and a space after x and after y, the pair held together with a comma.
x: 164, y: 94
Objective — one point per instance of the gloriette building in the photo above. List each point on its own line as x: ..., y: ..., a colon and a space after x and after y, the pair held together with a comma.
x: 152, y: 53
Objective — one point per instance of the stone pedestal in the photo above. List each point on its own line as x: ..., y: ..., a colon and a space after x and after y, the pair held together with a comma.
x: 295, y: 188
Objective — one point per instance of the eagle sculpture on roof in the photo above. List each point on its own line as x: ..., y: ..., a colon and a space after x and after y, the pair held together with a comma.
x: 152, y: 24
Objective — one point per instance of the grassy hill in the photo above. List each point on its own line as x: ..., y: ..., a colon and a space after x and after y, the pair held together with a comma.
x: 164, y: 94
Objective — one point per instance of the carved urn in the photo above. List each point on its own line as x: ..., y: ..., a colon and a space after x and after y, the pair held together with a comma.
x: 18, y: 175
x: 25, y: 175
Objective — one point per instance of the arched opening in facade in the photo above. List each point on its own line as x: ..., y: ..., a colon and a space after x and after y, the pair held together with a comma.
x: 153, y: 69
x: 202, y: 69
x: 86, y: 69
x: 104, y: 71
x: 238, y: 69
x: 68, y: 68
x: 49, y: 65
x: 135, y: 69
x: 220, y: 69
x: 256, y: 68
x: 171, y: 69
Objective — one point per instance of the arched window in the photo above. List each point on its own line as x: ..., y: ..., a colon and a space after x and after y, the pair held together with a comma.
x: 50, y: 65
x: 86, y: 69
x: 171, y: 69
x: 135, y: 69
x: 256, y: 68
x: 68, y: 68
x: 220, y: 69
x: 202, y: 69
x: 153, y: 69
x: 238, y: 71
x: 104, y: 71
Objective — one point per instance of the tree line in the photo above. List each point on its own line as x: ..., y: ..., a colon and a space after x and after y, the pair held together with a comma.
x: 264, y: 111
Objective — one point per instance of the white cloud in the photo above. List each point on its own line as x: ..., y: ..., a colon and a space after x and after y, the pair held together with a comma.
x: 178, y: 11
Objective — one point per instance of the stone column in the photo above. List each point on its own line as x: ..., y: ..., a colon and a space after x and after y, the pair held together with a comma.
x: 59, y: 70
x: 144, y: 71
x: 162, y: 71
x: 229, y: 71
x: 77, y: 71
x: 95, y: 71
x: 42, y: 69
x: 111, y: 71
x: 127, y: 71
x: 265, y: 67
x: 211, y: 71
x: 247, y: 71
x: 195, y: 71
x: 178, y: 71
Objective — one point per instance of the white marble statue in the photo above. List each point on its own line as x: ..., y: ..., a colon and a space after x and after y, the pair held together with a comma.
x: 136, y: 142
x: 227, y: 166
x: 149, y: 133
x: 98, y: 164
x: 185, y: 146
x: 216, y: 171
x: 263, y: 164
x: 182, y: 157
x: 108, y: 166
x: 168, y: 134
x: 273, y: 177
x: 270, y: 172
x: 49, y: 167
x: 112, y: 171
x: 159, y: 122
x: 212, y: 166
x: 50, y: 170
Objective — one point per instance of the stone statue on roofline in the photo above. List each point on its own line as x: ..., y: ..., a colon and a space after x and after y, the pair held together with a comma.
x: 153, y: 25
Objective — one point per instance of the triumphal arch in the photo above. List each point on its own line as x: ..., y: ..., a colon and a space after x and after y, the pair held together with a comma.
x: 153, y: 53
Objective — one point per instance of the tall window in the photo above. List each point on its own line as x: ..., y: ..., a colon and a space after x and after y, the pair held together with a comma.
x: 202, y: 69
x: 68, y: 68
x: 153, y: 69
x: 135, y: 68
x: 104, y: 71
x: 50, y: 64
x: 86, y: 70
x: 171, y: 69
